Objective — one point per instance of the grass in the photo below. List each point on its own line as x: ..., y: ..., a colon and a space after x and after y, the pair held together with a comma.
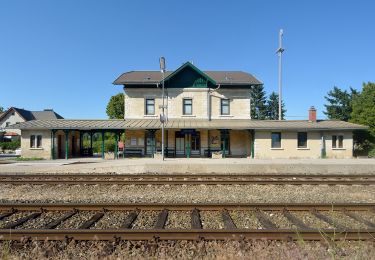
x: 29, y: 159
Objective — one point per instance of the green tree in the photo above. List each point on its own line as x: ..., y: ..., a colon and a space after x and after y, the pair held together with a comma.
x: 115, y: 107
x: 339, y: 103
x: 1, y: 109
x: 363, y: 109
x: 258, y: 102
x: 273, y: 107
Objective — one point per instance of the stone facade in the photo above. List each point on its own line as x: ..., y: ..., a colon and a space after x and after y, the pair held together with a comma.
x: 204, y: 100
x: 44, y: 151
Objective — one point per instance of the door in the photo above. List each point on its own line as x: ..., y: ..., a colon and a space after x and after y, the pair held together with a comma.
x: 150, y: 145
x: 195, y: 144
x: 180, y: 144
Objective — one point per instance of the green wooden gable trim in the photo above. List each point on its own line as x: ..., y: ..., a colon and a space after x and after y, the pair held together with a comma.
x: 203, y: 81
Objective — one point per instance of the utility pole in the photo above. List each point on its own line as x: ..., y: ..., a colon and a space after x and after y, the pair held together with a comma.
x: 279, y: 52
x: 162, y: 117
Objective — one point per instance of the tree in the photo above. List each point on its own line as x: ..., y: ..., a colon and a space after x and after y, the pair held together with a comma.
x: 273, y: 107
x: 115, y: 107
x: 363, y: 112
x: 258, y: 102
x: 339, y: 103
x: 1, y: 109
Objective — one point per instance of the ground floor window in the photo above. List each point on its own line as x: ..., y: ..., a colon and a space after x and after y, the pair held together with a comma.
x: 276, y: 140
x: 35, y: 141
x: 337, y: 141
x: 302, y: 140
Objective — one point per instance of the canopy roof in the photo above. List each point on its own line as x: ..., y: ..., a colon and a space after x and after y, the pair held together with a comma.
x: 240, y: 124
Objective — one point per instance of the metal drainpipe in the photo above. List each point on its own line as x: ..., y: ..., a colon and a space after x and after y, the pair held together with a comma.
x: 209, y: 101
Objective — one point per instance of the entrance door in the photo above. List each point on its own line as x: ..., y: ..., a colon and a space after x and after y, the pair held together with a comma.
x: 180, y: 144
x: 195, y: 144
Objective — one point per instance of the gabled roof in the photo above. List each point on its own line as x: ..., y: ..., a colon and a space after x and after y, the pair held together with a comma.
x: 240, y: 124
x: 28, y: 115
x: 190, y: 65
x: 219, y: 77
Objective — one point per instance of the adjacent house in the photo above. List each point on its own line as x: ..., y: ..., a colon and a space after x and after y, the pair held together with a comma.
x: 14, y: 116
x: 206, y: 112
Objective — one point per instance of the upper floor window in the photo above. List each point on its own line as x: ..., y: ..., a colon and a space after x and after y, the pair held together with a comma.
x: 150, y: 106
x: 337, y: 141
x: 276, y: 140
x: 302, y: 139
x: 35, y: 141
x: 224, y: 106
x: 187, y: 106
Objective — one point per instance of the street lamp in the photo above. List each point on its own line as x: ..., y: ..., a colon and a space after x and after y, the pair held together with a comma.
x: 279, y: 52
x: 162, y: 116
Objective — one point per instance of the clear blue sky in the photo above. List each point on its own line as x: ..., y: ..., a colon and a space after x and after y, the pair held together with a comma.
x: 65, y: 54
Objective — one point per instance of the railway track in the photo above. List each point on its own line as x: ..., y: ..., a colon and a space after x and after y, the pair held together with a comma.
x: 270, y: 221
x: 212, y: 179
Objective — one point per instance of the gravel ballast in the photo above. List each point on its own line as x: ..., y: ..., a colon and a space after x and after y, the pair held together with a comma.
x: 187, y: 193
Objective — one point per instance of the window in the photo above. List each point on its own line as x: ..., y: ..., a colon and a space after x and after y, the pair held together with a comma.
x: 32, y: 141
x: 187, y: 106
x: 224, y: 104
x: 302, y: 140
x: 38, y: 141
x: 276, y: 140
x: 337, y: 141
x: 7, y: 124
x: 150, y: 106
x: 35, y: 141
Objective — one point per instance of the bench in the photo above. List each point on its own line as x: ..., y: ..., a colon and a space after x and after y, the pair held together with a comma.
x: 133, y: 152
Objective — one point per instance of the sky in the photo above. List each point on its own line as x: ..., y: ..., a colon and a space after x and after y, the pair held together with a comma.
x: 66, y: 54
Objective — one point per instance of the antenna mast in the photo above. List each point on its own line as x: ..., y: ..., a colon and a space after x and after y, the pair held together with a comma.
x: 279, y: 52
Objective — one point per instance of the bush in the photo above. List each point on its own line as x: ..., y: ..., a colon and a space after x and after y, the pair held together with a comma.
x: 10, y: 145
x: 371, y: 153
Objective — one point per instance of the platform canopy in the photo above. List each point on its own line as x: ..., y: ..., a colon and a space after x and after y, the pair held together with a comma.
x: 235, y: 124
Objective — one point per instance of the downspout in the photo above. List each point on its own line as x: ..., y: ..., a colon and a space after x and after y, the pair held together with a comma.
x: 209, y: 108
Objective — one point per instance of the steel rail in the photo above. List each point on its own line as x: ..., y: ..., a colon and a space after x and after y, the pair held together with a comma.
x: 207, y: 179
x: 184, y: 206
x: 182, y: 234
x: 196, y: 232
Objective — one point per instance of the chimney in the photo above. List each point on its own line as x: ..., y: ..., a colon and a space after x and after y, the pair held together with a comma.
x: 312, y: 114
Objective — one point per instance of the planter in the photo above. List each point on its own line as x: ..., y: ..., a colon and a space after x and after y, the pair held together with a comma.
x: 217, y: 155
x: 109, y: 156
x: 158, y: 156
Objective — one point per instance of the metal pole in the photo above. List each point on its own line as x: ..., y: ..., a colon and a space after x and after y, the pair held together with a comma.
x: 162, y: 126
x: 280, y: 50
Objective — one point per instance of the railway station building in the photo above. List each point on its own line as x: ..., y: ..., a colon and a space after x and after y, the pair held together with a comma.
x: 207, y: 115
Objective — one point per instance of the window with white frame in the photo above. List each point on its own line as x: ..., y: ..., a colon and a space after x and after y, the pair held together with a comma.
x: 224, y: 106
x: 276, y: 140
x: 36, y: 141
x: 187, y: 108
x: 150, y: 106
x: 302, y: 140
x: 337, y: 141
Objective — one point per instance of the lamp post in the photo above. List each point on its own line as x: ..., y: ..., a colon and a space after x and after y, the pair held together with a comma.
x: 162, y: 117
x: 279, y: 52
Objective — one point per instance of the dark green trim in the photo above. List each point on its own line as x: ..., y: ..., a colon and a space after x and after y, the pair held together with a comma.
x: 66, y: 144
x: 53, y: 144
x: 188, y: 64
x: 252, y: 143
x: 116, y: 145
x: 102, y: 144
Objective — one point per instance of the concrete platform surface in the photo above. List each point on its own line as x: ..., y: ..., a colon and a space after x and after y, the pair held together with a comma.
x: 195, y: 166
